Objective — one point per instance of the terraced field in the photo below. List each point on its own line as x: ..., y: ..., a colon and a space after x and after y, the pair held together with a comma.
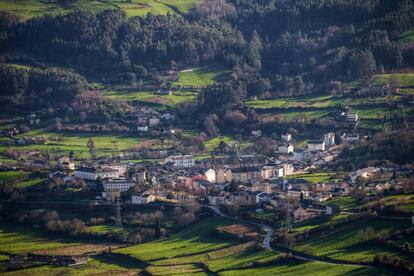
x: 199, y: 250
x: 30, y: 8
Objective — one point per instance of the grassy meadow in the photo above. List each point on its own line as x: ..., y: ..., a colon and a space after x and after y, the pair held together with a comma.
x: 62, y: 143
x: 31, y: 8
x: 201, y: 76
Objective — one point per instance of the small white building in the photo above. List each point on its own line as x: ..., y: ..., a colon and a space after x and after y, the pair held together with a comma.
x: 285, y: 149
x: 316, y: 146
x: 210, y: 175
x: 153, y: 121
x: 352, y: 117
x: 288, y: 169
x: 329, y: 139
x: 181, y: 160
x: 145, y: 198
x: 142, y: 128
x: 256, y: 133
x: 287, y: 137
x: 351, y: 137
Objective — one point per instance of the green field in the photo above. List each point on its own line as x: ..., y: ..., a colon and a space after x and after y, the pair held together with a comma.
x: 12, y: 175
x: 30, y: 183
x: 21, y: 239
x: 403, y: 80
x: 316, y: 177
x: 407, y: 37
x: 31, y: 8
x: 201, y: 76
x: 97, y: 265
x: 146, y: 97
x: 62, y: 143
x: 352, y: 241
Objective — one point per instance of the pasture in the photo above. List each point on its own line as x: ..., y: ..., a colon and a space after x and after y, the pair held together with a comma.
x: 151, y: 98
x: 201, y: 76
x: 31, y: 8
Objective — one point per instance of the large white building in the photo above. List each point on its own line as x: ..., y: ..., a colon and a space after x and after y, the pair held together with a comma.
x: 181, y: 160
x: 91, y: 173
x: 316, y: 146
x: 118, y: 185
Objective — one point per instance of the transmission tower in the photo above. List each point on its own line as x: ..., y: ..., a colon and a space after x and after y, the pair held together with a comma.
x: 118, y: 221
x: 288, y: 217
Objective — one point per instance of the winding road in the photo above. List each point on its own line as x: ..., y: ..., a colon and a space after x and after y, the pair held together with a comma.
x: 296, y: 255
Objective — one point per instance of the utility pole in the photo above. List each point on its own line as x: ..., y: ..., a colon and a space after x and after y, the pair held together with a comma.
x: 118, y: 222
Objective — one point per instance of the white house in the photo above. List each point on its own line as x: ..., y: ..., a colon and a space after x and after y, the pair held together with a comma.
x: 279, y: 172
x: 287, y: 169
x: 287, y: 137
x: 256, y: 133
x: 285, y: 149
x: 145, y: 198
x: 181, y: 160
x: 210, y: 175
x: 316, y: 146
x: 329, y: 139
x: 351, y: 137
x: 118, y: 185
x: 153, y: 121
x: 352, y: 117
x: 142, y: 128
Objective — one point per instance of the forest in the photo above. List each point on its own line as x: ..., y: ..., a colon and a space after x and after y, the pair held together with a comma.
x: 274, y: 48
